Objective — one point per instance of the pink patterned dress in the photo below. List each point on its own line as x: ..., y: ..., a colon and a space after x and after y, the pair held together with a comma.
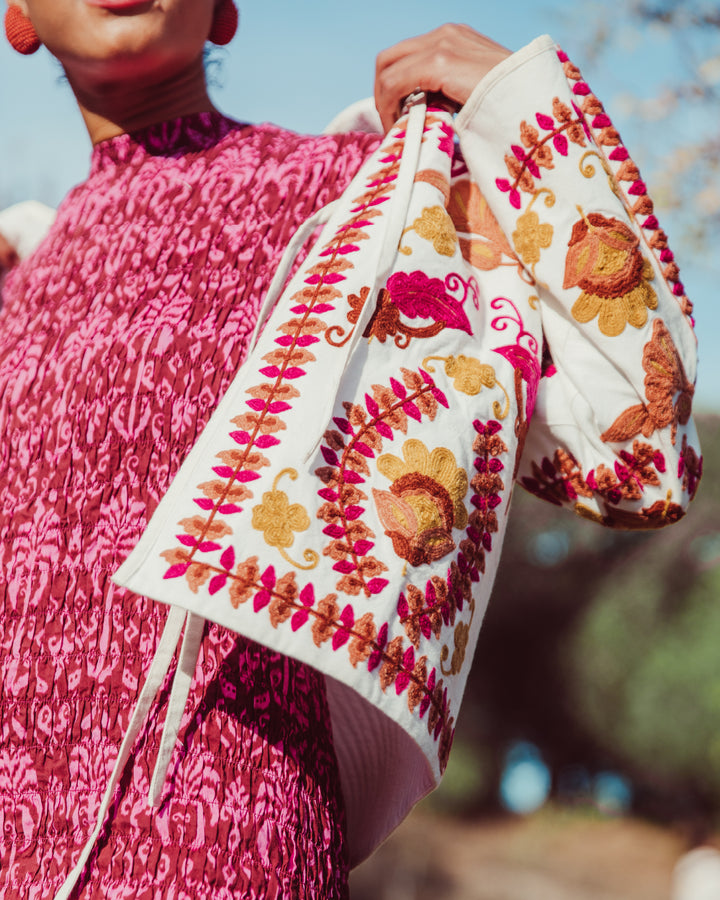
x: 116, y: 339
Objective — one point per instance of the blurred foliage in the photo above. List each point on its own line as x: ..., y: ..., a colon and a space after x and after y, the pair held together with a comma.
x: 603, y: 648
x: 687, y: 178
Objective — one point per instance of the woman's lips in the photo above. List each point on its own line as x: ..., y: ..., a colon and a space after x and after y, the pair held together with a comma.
x: 118, y: 4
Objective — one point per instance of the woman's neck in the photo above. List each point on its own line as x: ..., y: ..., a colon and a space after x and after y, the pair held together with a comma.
x: 114, y: 108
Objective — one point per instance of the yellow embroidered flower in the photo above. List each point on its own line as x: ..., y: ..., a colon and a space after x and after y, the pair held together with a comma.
x: 531, y: 237
x: 605, y: 261
x: 469, y: 374
x: 278, y: 519
x: 434, y: 224
x: 424, y: 503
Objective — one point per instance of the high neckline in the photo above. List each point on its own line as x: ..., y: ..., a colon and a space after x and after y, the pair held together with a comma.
x: 174, y: 137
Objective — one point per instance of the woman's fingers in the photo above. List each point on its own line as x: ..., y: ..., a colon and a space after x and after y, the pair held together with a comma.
x: 450, y: 60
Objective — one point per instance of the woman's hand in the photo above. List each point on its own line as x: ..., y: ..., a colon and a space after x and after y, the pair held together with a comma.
x: 450, y: 60
x: 8, y: 255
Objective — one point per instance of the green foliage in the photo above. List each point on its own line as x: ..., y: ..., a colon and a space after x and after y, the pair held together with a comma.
x: 645, y: 660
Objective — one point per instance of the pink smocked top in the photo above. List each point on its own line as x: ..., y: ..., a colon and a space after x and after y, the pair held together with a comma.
x: 117, y: 338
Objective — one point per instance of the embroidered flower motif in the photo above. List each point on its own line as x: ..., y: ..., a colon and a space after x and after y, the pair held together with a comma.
x: 470, y: 376
x: 435, y: 225
x: 530, y: 237
x: 278, y: 519
x: 424, y: 503
x: 664, y: 379
x: 606, y: 262
x: 462, y: 636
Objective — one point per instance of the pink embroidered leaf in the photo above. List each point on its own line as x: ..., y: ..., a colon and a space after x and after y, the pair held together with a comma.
x: 264, y: 441
x: 268, y: 578
x: 240, y: 437
x: 384, y: 430
x: 619, y: 154
x: 411, y: 410
x: 403, y: 608
x: 334, y: 531
x: 545, y: 122
x: 364, y: 449
x: 344, y: 566
x: 208, y: 546
x: 382, y: 636
x: 270, y: 371
x: 204, y: 502
x: 515, y: 199
x: 372, y: 406
x: 560, y: 142
x: 417, y: 295
x: 347, y: 616
x: 256, y: 404
x: 343, y: 425
x: 187, y: 539
x: 217, y: 583
x: 177, y: 570
x: 377, y: 585
x: 227, y: 560
x: 330, y: 456
x: 327, y: 278
x: 228, y: 509
x: 293, y: 372
x: 224, y: 471
x: 278, y: 406
x: 328, y: 494
x: 353, y: 477
x: 340, y: 638
x: 360, y: 548
x: 247, y: 475
x: 307, y: 595
x: 353, y: 512
x: 398, y: 388
x: 261, y: 600
x: 503, y: 184
x: 299, y: 619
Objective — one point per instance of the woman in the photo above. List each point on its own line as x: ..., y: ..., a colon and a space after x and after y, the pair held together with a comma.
x: 116, y: 339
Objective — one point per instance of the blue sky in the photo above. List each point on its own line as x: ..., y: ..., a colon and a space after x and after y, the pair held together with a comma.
x: 298, y: 64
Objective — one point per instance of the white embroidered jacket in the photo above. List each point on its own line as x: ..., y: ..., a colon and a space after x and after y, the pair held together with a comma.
x: 347, y: 502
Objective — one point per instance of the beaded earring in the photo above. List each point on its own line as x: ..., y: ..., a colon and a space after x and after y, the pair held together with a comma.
x: 224, y: 24
x: 20, y: 32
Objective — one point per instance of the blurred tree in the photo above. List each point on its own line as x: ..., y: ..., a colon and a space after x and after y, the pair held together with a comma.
x: 680, y: 111
x: 598, y: 643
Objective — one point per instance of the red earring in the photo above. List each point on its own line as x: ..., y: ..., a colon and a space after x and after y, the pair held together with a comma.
x: 224, y: 23
x: 20, y: 32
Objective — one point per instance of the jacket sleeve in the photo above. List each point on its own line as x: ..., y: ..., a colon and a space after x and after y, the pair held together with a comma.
x: 611, y: 435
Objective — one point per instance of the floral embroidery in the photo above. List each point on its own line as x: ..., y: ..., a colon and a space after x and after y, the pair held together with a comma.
x: 436, y: 226
x: 635, y: 197
x: 278, y: 519
x: 690, y: 468
x: 257, y: 429
x: 346, y: 451
x: 470, y: 376
x: 605, y: 261
x: 530, y: 236
x: 557, y: 480
x: 462, y: 634
x: 524, y: 163
x: 482, y: 242
x: 664, y: 379
x: 424, y: 503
